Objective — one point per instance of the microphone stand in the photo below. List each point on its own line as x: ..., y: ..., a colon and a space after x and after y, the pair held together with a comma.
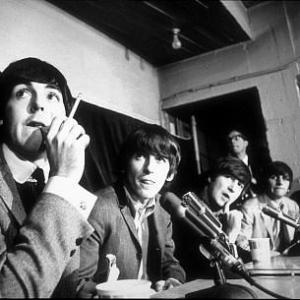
x: 222, y: 289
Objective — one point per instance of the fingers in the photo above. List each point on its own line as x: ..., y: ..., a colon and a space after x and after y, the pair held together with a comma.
x: 65, y: 143
x: 158, y: 286
x: 166, y: 284
x: 66, y: 131
x: 171, y: 282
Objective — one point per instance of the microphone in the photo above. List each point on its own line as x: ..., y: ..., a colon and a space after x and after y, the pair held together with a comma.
x: 172, y: 204
x: 175, y: 207
x: 191, y: 200
x: 218, y: 251
x: 279, y: 215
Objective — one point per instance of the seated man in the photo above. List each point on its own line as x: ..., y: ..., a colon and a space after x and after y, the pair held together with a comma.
x: 226, y: 183
x: 255, y: 224
x: 128, y: 219
x: 40, y: 228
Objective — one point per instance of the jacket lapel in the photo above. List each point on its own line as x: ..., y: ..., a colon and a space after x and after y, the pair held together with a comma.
x: 9, y: 193
x: 268, y: 225
x: 126, y: 213
x: 267, y: 220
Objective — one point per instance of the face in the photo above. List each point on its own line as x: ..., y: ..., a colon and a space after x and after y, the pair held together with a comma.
x: 224, y: 189
x: 278, y: 186
x: 30, y: 107
x: 146, y: 175
x: 236, y: 142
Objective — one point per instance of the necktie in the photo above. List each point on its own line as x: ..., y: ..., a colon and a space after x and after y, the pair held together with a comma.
x: 31, y: 189
x: 278, y: 229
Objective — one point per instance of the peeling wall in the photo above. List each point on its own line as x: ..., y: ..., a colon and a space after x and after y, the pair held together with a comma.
x: 269, y: 62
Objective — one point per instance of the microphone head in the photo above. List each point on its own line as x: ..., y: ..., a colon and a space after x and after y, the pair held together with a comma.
x: 173, y: 205
x: 270, y: 211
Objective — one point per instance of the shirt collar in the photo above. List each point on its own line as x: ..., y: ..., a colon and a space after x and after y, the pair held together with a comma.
x: 277, y: 204
x: 22, y: 169
x: 246, y: 160
x: 146, y: 208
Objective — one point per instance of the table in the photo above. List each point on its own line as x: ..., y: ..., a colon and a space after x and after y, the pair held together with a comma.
x: 281, y: 276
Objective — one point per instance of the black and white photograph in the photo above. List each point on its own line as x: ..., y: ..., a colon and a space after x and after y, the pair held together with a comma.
x: 150, y: 149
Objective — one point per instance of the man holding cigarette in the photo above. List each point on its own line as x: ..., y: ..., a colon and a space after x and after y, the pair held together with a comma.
x: 43, y: 217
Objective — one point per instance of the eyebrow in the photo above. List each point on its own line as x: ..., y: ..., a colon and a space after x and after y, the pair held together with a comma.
x: 53, y: 86
x: 48, y: 85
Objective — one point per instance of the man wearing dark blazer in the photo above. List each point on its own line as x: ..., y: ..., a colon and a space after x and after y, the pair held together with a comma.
x: 41, y: 230
x: 128, y: 219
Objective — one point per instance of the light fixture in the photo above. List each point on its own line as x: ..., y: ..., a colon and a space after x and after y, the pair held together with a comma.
x: 176, y: 44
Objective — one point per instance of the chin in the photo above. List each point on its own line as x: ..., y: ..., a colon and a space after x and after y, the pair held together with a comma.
x: 147, y: 195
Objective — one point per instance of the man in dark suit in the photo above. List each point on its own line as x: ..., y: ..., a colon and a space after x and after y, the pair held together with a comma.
x: 128, y: 219
x: 41, y: 227
x: 238, y: 144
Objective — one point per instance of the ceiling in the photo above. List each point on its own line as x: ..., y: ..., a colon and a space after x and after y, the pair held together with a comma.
x: 145, y: 27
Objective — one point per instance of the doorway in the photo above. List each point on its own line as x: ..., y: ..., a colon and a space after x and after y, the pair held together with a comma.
x: 214, y: 118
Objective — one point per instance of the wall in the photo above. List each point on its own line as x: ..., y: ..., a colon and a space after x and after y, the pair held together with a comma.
x: 269, y: 62
x: 93, y: 63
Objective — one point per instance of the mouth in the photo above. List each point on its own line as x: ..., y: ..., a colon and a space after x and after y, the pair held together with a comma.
x: 226, y: 196
x: 279, y: 188
x: 147, y: 181
x: 36, y: 124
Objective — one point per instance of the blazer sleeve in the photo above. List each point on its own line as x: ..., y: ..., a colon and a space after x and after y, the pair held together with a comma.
x: 34, y: 264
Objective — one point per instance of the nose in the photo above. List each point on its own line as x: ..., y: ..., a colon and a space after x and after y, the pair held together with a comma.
x: 279, y: 179
x: 150, y: 164
x: 232, y: 185
x: 38, y: 102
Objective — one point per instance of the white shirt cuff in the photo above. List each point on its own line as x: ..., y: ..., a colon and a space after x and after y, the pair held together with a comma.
x: 72, y: 192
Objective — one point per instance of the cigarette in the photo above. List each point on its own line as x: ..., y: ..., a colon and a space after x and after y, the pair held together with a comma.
x: 74, y: 108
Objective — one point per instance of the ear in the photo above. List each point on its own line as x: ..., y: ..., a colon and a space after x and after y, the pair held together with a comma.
x: 209, y: 179
x: 170, y: 177
x: 247, y: 143
x: 1, y: 122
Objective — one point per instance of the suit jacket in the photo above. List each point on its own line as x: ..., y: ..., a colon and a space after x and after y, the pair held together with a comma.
x: 256, y: 224
x: 115, y: 233
x: 37, y: 252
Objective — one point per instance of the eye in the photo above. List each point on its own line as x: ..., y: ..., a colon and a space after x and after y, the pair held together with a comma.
x: 273, y: 177
x: 160, y: 158
x: 23, y: 93
x: 286, y: 177
x: 138, y: 156
x: 54, y: 96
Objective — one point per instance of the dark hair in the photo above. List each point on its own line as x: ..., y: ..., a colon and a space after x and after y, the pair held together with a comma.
x: 151, y: 139
x: 234, y: 167
x: 277, y: 168
x: 241, y: 133
x: 32, y: 69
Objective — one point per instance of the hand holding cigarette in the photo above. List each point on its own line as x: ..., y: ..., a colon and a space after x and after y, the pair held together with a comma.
x: 65, y: 142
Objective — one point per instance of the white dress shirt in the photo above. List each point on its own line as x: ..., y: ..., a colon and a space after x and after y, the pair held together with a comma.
x: 61, y: 186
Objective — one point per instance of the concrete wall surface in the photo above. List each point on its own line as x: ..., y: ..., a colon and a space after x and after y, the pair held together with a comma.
x: 269, y: 62
x: 105, y: 72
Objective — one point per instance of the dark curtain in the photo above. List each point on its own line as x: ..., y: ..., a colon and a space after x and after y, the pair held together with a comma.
x: 107, y: 130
